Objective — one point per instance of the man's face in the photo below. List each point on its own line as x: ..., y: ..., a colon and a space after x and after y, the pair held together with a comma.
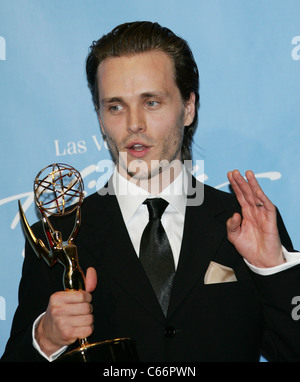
x: 141, y: 112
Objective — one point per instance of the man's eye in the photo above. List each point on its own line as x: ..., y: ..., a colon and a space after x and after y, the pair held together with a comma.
x: 152, y: 103
x: 115, y: 108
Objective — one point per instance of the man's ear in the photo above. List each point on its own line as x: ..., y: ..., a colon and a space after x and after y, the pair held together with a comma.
x: 189, y: 110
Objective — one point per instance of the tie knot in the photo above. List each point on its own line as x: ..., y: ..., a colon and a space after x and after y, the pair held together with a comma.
x: 156, y: 207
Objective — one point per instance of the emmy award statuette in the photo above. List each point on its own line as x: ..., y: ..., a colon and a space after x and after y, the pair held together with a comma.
x: 59, y: 190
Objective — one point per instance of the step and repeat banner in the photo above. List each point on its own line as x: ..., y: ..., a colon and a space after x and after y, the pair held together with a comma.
x: 248, y: 54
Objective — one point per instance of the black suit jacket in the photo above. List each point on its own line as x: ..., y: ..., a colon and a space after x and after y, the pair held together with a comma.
x: 235, y: 321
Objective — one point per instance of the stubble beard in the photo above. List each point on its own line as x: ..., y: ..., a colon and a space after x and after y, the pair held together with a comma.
x: 139, y: 170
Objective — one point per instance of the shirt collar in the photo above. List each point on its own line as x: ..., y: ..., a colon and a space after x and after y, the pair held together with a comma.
x: 130, y: 196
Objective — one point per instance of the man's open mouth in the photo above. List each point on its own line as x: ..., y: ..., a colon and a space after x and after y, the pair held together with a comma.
x: 138, y: 150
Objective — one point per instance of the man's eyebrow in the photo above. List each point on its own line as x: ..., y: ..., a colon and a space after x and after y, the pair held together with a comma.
x: 111, y: 100
x: 147, y: 94
x: 159, y: 94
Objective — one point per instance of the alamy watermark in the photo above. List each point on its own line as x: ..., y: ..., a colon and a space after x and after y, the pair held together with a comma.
x: 296, y: 50
x: 156, y: 177
x: 296, y: 309
x: 2, y: 308
x: 2, y: 49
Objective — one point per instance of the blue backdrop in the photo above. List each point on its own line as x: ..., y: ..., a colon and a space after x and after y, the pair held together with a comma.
x: 248, y: 54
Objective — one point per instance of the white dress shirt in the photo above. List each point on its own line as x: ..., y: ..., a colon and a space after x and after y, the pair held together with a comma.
x: 135, y: 215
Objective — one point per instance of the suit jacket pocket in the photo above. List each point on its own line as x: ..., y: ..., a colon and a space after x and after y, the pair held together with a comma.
x: 218, y: 273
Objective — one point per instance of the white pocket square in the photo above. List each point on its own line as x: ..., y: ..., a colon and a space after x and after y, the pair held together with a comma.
x: 218, y: 273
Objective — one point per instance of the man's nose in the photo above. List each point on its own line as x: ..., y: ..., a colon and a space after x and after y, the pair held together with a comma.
x: 136, y: 121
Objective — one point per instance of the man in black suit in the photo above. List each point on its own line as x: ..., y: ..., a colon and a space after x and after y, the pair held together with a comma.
x: 235, y: 272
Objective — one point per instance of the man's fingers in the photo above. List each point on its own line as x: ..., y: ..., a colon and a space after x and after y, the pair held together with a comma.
x: 234, y: 224
x: 82, y: 332
x: 244, y: 188
x: 69, y: 316
x: 73, y: 309
x: 91, y: 279
x: 259, y: 195
x: 70, y: 297
x: 248, y: 190
x: 254, y: 187
x: 236, y: 187
x: 77, y: 321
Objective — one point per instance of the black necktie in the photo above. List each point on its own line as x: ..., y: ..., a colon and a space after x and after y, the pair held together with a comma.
x: 156, y: 254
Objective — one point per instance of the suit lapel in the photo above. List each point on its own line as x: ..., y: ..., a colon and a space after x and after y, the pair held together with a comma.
x: 114, y: 252
x: 108, y: 242
x: 203, y: 233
